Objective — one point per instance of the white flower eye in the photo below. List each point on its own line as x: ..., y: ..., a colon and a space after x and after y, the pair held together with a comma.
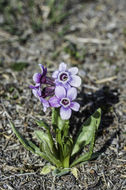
x: 63, y: 77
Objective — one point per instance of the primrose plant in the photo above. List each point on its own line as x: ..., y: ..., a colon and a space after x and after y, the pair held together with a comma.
x: 56, y: 144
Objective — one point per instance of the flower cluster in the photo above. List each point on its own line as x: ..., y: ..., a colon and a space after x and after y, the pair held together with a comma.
x: 58, y: 91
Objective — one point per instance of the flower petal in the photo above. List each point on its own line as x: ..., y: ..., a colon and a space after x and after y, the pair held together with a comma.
x: 55, y: 74
x: 44, y: 108
x: 43, y: 70
x: 45, y: 103
x: 41, y: 67
x: 54, y: 102
x: 66, y: 86
x: 72, y: 93
x: 62, y: 66
x: 75, y: 106
x: 60, y: 92
x: 65, y: 113
x: 73, y: 70
x: 37, y: 77
x: 75, y: 81
x: 35, y: 93
x: 39, y: 92
x: 34, y: 87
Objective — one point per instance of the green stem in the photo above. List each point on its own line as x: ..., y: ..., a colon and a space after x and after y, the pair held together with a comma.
x: 54, y: 117
x: 66, y: 162
x: 61, y: 129
x: 59, y: 144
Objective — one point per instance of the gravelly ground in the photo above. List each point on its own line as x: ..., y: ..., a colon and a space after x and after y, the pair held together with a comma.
x: 97, y: 28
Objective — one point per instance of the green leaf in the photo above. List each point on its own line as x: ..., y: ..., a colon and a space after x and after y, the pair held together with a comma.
x: 47, y: 148
x: 43, y: 124
x: 42, y: 136
x: 87, y: 132
x: 53, y: 158
x: 26, y: 143
x: 47, y: 169
x: 47, y: 136
x: 60, y: 172
x: 67, y: 148
x: 64, y: 143
x: 87, y: 136
x: 43, y: 155
x: 29, y: 145
x: 85, y: 156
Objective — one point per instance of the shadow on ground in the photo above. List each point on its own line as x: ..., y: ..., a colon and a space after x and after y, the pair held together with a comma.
x: 104, y: 98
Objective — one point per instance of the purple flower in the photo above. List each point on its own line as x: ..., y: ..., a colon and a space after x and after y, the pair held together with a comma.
x: 62, y: 83
x: 45, y: 103
x: 64, y: 99
x: 42, y: 92
x: 40, y: 78
x: 67, y: 77
x: 36, y: 90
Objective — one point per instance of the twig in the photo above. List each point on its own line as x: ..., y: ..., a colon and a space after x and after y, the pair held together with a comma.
x: 105, y: 80
x: 121, y: 160
x: 17, y: 175
x: 90, y: 87
x: 104, y: 178
x: 6, y: 144
x: 75, y: 39
x: 123, y: 176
